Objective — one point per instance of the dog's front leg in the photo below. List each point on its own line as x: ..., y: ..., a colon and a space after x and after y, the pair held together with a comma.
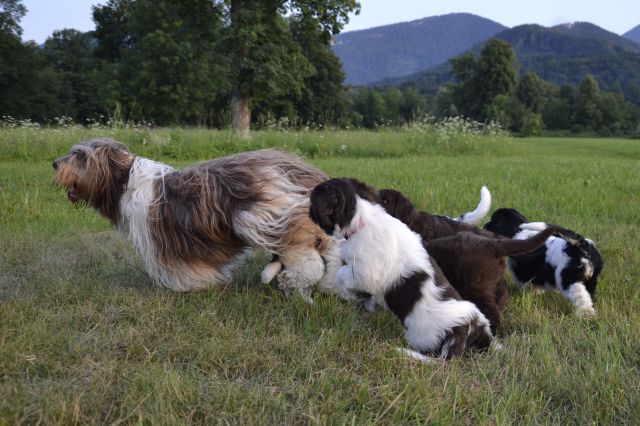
x: 346, y: 284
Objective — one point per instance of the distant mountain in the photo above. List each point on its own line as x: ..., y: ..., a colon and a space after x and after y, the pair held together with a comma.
x: 633, y: 34
x: 561, y: 55
x: 405, y: 48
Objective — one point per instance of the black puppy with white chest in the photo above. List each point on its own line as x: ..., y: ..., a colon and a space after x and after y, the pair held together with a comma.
x: 568, y: 262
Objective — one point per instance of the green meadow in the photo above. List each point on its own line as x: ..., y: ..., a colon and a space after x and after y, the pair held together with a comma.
x: 85, y: 336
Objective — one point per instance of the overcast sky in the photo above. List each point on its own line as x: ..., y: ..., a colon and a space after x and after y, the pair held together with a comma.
x: 618, y: 16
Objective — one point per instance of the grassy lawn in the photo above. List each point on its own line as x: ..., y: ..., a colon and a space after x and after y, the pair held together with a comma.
x: 85, y: 337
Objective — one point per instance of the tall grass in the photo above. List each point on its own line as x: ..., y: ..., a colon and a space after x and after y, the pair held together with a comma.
x: 85, y: 337
x: 452, y: 137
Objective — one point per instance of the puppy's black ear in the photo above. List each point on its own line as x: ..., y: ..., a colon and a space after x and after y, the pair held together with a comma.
x: 324, y: 202
x: 505, y: 221
x: 332, y: 203
x: 404, y: 207
x: 364, y: 191
x: 389, y: 200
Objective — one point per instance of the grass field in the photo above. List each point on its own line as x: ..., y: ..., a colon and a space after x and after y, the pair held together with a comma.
x: 86, y: 338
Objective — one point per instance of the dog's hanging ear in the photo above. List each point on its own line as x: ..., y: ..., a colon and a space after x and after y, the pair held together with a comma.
x: 107, y: 172
x: 324, y: 202
x: 363, y: 190
x: 106, y: 163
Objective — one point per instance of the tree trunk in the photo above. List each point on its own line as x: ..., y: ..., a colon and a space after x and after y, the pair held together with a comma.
x: 240, y: 113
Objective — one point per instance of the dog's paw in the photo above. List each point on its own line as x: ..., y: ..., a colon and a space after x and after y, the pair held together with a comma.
x: 306, y: 294
x: 371, y: 304
x: 417, y: 355
x: 270, y: 271
x: 496, y: 346
x: 588, y: 312
x: 537, y: 290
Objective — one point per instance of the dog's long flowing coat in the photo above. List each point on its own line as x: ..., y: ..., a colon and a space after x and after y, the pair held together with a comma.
x: 190, y: 226
x: 383, y: 258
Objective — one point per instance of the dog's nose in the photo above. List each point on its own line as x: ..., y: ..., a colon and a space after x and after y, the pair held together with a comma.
x: 55, y: 164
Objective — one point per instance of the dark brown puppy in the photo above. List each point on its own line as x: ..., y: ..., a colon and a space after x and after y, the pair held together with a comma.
x: 475, y: 266
x: 471, y: 258
x: 429, y: 226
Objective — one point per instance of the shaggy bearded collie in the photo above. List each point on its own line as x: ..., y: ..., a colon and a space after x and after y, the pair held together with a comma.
x: 191, y: 226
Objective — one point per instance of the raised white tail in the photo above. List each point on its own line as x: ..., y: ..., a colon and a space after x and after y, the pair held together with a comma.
x: 474, y: 217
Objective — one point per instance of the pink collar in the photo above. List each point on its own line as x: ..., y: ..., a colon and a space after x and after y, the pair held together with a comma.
x: 358, y: 227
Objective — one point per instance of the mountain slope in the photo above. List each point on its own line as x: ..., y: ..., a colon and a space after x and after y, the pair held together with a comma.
x: 405, y: 48
x: 633, y: 34
x: 560, y: 55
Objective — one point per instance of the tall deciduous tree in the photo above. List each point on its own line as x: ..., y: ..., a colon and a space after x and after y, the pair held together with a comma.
x: 265, y: 59
x: 479, y: 82
x: 588, y: 113
x: 28, y: 86
x: 84, y: 89
x: 165, y: 53
x: 322, y: 97
x: 11, y: 12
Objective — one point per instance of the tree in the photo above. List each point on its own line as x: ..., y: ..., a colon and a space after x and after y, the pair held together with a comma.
x: 28, y: 87
x: 266, y: 61
x: 322, y: 98
x: 497, y: 71
x: 479, y: 82
x: 588, y: 112
x: 465, y: 93
x: 412, y: 105
x: 166, y: 54
x: 84, y: 91
x: 11, y: 12
x: 532, y: 92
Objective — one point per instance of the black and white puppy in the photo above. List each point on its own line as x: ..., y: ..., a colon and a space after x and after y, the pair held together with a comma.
x: 568, y: 262
x: 383, y: 258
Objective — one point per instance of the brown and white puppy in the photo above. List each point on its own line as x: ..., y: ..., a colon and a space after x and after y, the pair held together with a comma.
x: 384, y: 260
x: 472, y: 259
x: 192, y: 225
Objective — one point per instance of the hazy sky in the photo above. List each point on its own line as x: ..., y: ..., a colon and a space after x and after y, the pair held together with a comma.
x: 618, y: 16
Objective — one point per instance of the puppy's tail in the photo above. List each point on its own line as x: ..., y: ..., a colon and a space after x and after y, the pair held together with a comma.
x: 509, y: 247
x: 474, y: 217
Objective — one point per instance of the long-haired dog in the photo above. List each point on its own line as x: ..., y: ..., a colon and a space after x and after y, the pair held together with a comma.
x: 567, y: 262
x: 192, y: 225
x: 472, y: 259
x: 383, y: 259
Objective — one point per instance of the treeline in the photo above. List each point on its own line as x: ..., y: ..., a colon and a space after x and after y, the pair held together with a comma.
x: 488, y: 88
x: 203, y: 62
x: 181, y: 62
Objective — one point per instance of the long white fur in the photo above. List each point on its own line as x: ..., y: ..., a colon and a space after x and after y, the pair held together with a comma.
x: 382, y: 250
x: 556, y: 257
x: 134, y: 224
x: 476, y: 216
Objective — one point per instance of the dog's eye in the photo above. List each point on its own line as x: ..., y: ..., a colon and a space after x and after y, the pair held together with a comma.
x: 80, y: 156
